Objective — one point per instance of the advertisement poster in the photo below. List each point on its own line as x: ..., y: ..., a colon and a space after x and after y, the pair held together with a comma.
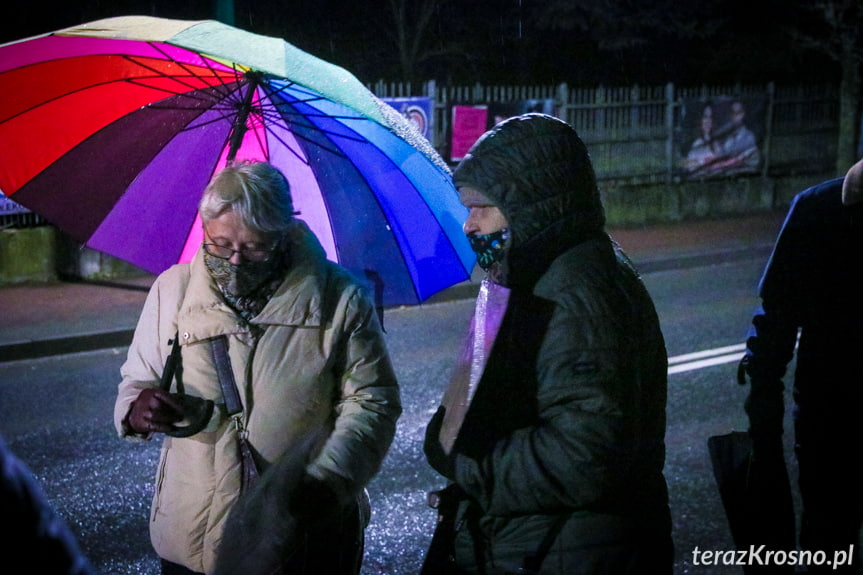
x: 417, y: 111
x: 8, y: 207
x: 721, y: 137
x: 468, y: 124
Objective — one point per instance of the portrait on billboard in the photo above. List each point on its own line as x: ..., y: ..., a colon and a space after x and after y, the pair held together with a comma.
x: 721, y: 136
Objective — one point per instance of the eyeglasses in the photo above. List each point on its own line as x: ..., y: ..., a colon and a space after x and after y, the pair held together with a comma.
x: 247, y: 253
x: 250, y: 255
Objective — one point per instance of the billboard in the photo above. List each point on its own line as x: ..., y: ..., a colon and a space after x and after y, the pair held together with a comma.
x: 468, y: 124
x: 417, y: 111
x: 471, y: 122
x: 721, y: 136
x: 8, y: 207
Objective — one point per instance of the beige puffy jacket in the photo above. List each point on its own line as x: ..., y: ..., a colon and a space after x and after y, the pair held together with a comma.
x: 318, y: 370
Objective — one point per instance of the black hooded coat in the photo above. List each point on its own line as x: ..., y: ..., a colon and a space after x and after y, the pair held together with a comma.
x: 568, y: 420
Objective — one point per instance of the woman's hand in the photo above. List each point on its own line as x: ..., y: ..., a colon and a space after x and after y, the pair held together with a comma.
x: 155, y: 411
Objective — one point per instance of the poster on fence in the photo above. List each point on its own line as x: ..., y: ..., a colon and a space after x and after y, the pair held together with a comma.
x: 721, y: 136
x: 468, y: 124
x: 500, y: 111
x: 418, y: 111
x: 8, y: 207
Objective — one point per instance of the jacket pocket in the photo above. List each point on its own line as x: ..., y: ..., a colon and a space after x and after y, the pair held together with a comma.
x: 160, y: 478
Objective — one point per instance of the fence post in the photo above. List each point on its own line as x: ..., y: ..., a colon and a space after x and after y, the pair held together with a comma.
x: 562, y: 103
x: 669, y: 126
x: 440, y: 113
x: 599, y: 98
x: 431, y: 94
x: 768, y: 129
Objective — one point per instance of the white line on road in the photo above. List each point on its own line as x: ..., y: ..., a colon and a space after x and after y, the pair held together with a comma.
x: 706, y: 358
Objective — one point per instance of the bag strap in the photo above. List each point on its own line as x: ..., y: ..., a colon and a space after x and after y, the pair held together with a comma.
x: 174, y: 359
x: 234, y: 408
x: 533, y: 563
x: 222, y: 360
x: 201, y: 411
x: 171, y: 363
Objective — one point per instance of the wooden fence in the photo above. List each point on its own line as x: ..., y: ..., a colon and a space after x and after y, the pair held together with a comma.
x: 641, y: 133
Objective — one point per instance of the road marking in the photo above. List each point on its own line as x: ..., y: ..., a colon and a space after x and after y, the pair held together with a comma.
x: 706, y: 358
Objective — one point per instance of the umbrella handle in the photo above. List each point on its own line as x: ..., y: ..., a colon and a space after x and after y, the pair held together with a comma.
x: 199, y: 411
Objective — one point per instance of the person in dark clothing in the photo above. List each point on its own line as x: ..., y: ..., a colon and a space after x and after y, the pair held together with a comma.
x: 811, y: 289
x: 37, y: 540
x: 552, y: 432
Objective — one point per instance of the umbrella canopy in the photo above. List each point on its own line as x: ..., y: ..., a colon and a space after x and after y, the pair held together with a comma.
x: 112, y: 129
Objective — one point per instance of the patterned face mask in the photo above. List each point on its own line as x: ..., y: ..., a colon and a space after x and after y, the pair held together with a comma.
x: 489, y: 248
x: 246, y: 286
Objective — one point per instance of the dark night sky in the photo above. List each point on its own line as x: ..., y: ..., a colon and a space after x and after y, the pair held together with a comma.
x: 497, y: 44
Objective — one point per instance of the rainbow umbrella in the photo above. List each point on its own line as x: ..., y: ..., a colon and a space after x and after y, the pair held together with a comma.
x: 112, y: 129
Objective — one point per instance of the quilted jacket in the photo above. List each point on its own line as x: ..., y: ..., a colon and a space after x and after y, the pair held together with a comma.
x: 314, y: 376
x: 569, y: 416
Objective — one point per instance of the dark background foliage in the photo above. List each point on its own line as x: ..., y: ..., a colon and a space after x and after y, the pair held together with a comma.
x: 610, y: 42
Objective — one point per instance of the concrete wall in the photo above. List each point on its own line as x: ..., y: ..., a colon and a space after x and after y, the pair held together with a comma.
x: 42, y: 254
x: 28, y: 254
x: 645, y: 204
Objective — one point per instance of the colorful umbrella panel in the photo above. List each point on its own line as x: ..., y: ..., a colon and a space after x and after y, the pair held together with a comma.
x: 112, y: 129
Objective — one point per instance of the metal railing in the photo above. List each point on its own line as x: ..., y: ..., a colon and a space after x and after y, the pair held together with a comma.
x: 638, y: 133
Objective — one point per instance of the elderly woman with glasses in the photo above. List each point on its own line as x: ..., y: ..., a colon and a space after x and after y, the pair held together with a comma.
x: 310, y: 368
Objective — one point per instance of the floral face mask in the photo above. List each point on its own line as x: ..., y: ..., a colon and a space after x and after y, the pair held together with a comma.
x: 489, y: 248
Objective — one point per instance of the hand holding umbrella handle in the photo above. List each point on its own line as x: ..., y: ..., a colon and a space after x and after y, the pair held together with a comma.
x: 155, y: 411
x: 196, y: 411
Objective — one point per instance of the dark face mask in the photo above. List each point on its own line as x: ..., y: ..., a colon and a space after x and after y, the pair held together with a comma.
x: 489, y: 248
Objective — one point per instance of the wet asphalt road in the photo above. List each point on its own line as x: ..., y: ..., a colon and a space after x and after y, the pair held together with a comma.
x: 55, y: 413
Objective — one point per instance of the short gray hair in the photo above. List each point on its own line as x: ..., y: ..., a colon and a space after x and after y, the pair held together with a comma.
x: 256, y: 191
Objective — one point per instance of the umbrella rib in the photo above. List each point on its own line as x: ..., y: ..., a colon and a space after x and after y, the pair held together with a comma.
x: 88, y: 87
x: 323, y: 115
x: 196, y: 94
x: 136, y: 81
x: 222, y: 117
x: 289, y: 84
x: 312, y: 97
x: 186, y: 67
x: 209, y: 64
x: 289, y: 147
x: 173, y: 77
x: 332, y: 149
x: 286, y: 110
x: 276, y: 110
x: 296, y: 100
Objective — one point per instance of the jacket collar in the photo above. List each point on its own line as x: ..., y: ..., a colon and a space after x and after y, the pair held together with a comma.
x: 297, y: 301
